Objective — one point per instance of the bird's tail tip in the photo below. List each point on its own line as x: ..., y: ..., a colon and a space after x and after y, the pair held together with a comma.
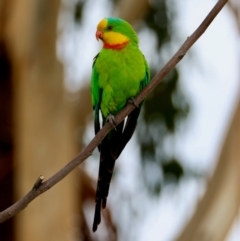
x: 94, y: 227
x: 97, y: 216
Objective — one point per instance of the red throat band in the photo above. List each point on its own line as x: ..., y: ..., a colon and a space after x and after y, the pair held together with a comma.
x: 115, y: 46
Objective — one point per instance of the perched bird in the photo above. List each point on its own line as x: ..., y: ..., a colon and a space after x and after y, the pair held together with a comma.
x: 119, y: 73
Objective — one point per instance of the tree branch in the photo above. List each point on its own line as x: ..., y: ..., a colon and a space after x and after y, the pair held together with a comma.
x: 87, y: 151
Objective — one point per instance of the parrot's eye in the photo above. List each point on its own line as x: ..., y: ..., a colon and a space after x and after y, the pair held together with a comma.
x: 110, y: 27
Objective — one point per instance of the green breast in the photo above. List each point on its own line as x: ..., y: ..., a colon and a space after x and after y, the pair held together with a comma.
x: 120, y: 73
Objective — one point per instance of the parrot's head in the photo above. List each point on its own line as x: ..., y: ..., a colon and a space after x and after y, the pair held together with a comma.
x: 116, y: 33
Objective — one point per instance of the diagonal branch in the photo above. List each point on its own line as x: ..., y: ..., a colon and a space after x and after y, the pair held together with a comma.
x: 87, y: 151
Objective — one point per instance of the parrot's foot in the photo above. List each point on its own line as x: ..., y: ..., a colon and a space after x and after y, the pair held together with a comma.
x: 132, y: 101
x: 112, y: 121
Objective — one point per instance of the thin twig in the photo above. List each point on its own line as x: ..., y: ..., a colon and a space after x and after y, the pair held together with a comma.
x: 87, y: 151
x: 38, y: 183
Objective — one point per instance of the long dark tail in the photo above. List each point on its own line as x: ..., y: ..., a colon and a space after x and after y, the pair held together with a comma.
x: 111, y: 148
x: 107, y: 161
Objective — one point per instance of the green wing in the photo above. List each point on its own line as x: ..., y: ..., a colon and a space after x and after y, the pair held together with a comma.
x: 96, y: 95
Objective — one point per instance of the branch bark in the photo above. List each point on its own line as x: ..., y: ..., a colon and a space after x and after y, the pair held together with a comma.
x: 87, y: 151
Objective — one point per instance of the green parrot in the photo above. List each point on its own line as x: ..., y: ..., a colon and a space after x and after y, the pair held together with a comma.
x: 119, y: 73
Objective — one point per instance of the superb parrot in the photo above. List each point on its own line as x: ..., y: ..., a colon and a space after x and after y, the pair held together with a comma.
x: 119, y: 73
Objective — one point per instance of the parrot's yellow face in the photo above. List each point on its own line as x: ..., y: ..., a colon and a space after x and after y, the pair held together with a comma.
x: 109, y: 35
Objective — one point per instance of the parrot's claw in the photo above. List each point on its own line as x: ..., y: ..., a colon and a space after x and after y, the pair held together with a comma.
x: 112, y: 121
x: 132, y: 101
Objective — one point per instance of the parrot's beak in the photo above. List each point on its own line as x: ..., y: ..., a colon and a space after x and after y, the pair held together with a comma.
x: 99, y: 35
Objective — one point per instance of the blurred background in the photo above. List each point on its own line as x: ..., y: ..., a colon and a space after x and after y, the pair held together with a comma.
x: 178, y: 178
